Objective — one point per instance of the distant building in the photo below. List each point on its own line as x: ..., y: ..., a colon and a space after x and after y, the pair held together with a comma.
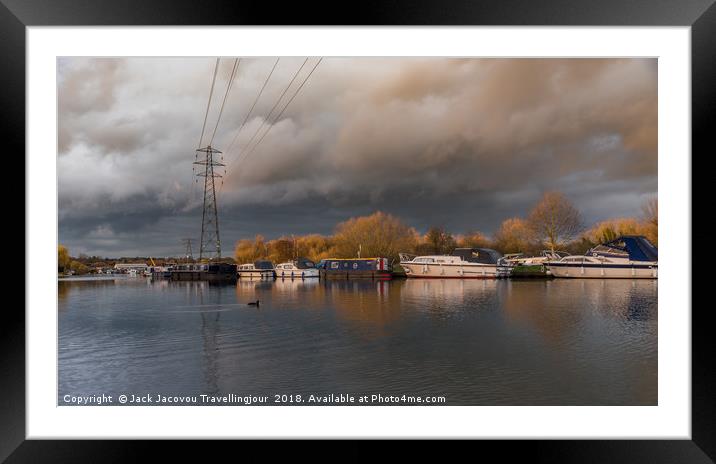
x: 129, y: 266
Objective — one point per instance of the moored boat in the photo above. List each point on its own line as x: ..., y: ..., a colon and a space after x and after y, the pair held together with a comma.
x: 302, y: 268
x: 463, y: 263
x: 531, y: 266
x: 211, y: 272
x: 517, y: 259
x: 261, y: 269
x: 161, y: 272
x: 627, y: 257
x: 355, y: 268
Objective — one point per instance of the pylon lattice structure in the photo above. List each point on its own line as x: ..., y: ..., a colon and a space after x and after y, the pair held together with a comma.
x: 188, y: 255
x: 210, y: 244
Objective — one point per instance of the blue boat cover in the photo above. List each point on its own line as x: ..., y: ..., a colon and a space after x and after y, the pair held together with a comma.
x: 637, y: 246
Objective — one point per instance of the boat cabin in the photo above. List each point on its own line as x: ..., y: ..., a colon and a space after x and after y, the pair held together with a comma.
x: 632, y: 247
x: 478, y: 255
x: 354, y: 265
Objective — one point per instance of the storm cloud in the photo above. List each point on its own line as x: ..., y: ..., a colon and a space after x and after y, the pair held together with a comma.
x: 463, y: 143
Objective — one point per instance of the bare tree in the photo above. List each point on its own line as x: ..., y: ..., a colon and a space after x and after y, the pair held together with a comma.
x: 555, y: 220
x: 651, y: 210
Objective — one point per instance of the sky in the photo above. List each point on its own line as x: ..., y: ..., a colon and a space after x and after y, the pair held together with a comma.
x: 459, y: 143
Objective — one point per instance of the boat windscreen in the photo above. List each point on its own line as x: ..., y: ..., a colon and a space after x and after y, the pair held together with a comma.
x: 263, y: 265
x: 305, y: 263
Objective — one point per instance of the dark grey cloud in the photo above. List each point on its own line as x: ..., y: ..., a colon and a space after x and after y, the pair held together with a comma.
x: 464, y: 143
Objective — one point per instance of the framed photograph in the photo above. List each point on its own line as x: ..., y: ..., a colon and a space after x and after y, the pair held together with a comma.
x: 405, y: 223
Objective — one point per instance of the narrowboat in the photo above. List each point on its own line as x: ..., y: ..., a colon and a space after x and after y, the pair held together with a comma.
x: 300, y: 268
x: 463, y: 263
x: 211, y: 272
x: 161, y: 272
x: 627, y: 257
x: 355, y: 268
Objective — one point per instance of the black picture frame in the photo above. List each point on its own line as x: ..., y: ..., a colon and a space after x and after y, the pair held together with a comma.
x: 700, y: 15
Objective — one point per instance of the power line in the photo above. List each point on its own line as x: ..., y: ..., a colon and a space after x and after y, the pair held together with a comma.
x: 253, y: 105
x: 268, y: 116
x: 203, y: 127
x: 208, y: 103
x: 229, y: 84
x: 282, y: 110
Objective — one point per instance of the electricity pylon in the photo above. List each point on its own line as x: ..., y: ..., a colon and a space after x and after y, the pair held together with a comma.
x: 188, y: 252
x: 210, y: 245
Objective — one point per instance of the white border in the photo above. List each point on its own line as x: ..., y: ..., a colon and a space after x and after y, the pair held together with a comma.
x: 671, y: 419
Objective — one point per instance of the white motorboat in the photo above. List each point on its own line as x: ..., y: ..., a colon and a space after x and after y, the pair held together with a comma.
x: 463, y: 263
x: 261, y: 269
x: 517, y: 259
x: 627, y: 257
x: 301, y: 268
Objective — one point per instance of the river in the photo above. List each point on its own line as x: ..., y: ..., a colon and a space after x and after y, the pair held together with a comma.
x: 471, y: 342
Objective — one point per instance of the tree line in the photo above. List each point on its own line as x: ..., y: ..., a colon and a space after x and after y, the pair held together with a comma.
x: 553, y: 223
x: 84, y: 264
x: 66, y: 263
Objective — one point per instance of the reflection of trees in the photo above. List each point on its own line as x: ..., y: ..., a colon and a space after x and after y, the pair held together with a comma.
x: 298, y: 287
x: 444, y: 297
x: 543, y: 306
x: 67, y: 287
x: 556, y: 307
x: 364, y: 300
x: 62, y: 291
x: 359, y: 300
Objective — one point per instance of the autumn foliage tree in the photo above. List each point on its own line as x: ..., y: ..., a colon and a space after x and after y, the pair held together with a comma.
x: 78, y: 267
x: 281, y: 250
x: 379, y: 234
x: 611, y: 229
x: 437, y: 241
x: 555, y: 221
x: 516, y: 235
x: 63, y: 258
x: 248, y: 251
x: 314, y: 246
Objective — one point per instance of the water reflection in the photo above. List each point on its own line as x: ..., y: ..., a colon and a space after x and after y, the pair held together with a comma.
x: 376, y: 303
x: 446, y: 298
x: 566, y: 341
x: 210, y: 329
x: 66, y: 286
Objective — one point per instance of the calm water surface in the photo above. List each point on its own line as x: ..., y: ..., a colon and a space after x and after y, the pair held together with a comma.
x: 492, y: 342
